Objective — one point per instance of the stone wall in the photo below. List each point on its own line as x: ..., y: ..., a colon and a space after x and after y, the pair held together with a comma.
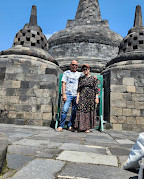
x: 127, y: 95
x: 28, y: 90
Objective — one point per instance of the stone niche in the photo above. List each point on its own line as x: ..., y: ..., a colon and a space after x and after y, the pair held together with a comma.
x: 29, y: 79
x: 124, y: 81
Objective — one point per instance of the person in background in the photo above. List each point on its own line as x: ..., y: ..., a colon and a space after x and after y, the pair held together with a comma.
x: 69, y: 94
x: 87, y: 96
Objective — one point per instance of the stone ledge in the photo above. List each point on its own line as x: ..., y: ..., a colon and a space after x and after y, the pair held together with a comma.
x: 85, y: 33
x: 30, y: 51
x: 136, y: 55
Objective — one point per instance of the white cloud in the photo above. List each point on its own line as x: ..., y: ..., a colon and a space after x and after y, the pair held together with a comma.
x: 49, y: 35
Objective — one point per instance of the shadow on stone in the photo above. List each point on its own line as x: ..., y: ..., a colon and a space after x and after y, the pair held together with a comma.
x: 135, y: 177
x: 3, y: 151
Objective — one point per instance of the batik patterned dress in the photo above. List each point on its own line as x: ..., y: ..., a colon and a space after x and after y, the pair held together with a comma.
x: 86, y: 112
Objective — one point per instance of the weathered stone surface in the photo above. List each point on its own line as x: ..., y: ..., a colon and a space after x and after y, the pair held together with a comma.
x: 23, y: 150
x: 128, y: 127
x: 122, y: 119
x: 121, y: 141
x: 44, y: 143
x: 117, y: 126
x: 118, y: 103
x: 87, y: 39
x: 33, y: 151
x: 15, y: 161
x: 30, y: 51
x: 118, y: 88
x: 40, y: 144
x: 140, y: 120
x: 127, y: 112
x: 32, y: 98
x: 127, y: 103
x: 31, y: 34
x: 114, y: 119
x: 18, y: 135
x: 139, y: 90
x: 128, y: 81
x: 119, y: 151
x: 131, y: 120
x: 94, y: 171
x: 130, y: 104
x: 39, y: 168
x: 47, y: 153
x: 84, y: 7
x: 3, y: 149
x: 122, y: 159
x: 83, y: 157
x: 99, y: 142
x: 83, y: 148
x: 116, y: 111
x: 131, y: 89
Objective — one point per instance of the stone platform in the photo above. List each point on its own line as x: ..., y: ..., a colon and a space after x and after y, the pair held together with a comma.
x: 41, y: 152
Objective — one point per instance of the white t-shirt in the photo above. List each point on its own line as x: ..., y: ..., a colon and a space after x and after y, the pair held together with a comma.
x: 71, y: 79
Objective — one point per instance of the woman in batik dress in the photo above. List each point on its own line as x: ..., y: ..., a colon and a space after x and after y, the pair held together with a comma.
x: 87, y: 96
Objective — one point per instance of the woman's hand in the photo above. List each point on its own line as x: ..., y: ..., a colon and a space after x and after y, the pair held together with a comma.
x: 77, y: 100
x: 97, y: 100
x: 64, y: 97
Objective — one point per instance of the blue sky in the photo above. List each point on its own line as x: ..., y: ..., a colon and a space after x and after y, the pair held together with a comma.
x: 53, y: 16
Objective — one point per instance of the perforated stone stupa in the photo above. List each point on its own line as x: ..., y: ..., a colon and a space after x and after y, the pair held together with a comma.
x: 124, y: 87
x: 31, y: 35
x: 86, y: 39
x: 28, y: 78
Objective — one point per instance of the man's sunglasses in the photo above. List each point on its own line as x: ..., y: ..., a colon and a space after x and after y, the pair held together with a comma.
x: 74, y: 65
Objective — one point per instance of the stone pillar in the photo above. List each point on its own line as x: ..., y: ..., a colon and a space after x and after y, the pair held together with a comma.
x: 88, y: 10
x: 33, y: 17
x: 138, y: 17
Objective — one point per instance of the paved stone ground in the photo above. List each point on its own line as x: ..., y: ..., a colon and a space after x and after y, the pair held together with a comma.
x: 42, y: 153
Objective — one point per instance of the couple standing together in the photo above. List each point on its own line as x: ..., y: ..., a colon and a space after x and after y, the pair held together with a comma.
x: 82, y: 92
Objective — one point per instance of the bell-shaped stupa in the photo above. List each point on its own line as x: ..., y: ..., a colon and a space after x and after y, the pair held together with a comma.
x: 30, y: 40
x: 124, y: 84
x: 132, y: 46
x: 87, y: 39
x: 31, y: 35
x: 29, y: 77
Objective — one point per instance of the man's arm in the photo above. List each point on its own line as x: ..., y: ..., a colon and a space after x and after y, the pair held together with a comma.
x: 64, y: 97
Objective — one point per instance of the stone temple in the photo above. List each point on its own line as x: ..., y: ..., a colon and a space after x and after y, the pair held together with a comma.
x: 29, y: 71
x: 87, y: 39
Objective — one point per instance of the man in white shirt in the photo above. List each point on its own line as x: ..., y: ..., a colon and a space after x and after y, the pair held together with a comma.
x: 69, y: 94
